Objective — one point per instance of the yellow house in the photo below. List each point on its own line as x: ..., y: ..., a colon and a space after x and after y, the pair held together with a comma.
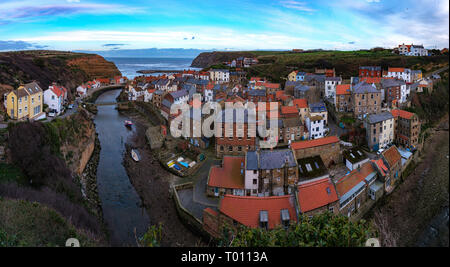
x: 293, y: 76
x: 25, y: 102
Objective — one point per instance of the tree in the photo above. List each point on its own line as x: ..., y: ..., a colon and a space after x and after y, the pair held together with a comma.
x: 324, y: 230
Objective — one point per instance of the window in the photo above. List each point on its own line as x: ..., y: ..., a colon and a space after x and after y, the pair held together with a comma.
x: 255, y: 181
x: 331, y: 209
x: 254, y: 171
x: 32, y: 100
x: 230, y: 148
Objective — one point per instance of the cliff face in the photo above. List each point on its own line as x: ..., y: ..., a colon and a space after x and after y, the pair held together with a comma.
x: 208, y: 59
x: 66, y: 68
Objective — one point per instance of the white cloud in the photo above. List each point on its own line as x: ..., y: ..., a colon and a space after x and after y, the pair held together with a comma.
x: 297, y: 5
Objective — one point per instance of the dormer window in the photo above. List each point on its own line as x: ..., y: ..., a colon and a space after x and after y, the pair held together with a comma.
x: 264, y: 219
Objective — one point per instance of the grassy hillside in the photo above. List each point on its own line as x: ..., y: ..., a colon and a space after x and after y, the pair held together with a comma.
x: 24, y: 223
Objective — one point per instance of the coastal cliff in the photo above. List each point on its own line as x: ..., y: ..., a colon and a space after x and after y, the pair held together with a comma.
x: 207, y: 59
x: 67, y: 68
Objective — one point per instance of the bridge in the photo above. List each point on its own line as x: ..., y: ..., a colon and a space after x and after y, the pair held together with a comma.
x: 109, y: 87
x: 108, y: 103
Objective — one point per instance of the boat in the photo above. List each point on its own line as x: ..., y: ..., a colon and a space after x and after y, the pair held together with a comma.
x: 184, y: 164
x: 128, y: 123
x: 177, y: 167
x: 135, y: 155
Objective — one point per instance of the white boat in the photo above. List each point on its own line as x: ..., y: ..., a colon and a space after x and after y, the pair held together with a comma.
x: 135, y: 155
x: 128, y: 123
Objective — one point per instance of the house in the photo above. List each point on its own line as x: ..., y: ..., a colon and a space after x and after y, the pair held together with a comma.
x: 82, y: 90
x: 300, y: 76
x: 292, y: 130
x: 311, y: 169
x: 379, y: 130
x: 327, y: 148
x: 254, y: 212
x: 301, y: 91
x: 227, y: 141
x: 316, y: 126
x: 366, y: 99
x: 395, y: 91
x: 416, y: 75
x: 319, y: 109
x: 317, y: 196
x: 148, y: 94
x: 219, y: 75
x: 292, y: 76
x: 370, y: 71
x: 26, y: 102
x: 406, y: 129
x: 257, y: 95
x: 330, y: 86
x: 228, y: 178
x: 354, y: 158
x: 353, y: 189
x: 55, y: 97
x: 393, y: 161
x: 343, y: 100
x: 289, y: 112
x: 276, y: 171
x: 400, y: 73
x: 418, y: 50
x: 302, y: 106
x: 157, y: 98
x: 326, y: 72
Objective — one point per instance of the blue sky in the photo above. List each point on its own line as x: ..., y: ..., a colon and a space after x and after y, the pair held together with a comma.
x: 223, y: 25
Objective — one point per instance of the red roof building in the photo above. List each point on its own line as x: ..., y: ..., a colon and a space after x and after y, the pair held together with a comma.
x: 250, y: 211
x: 300, y: 103
x: 319, y: 195
x: 315, y: 142
x: 226, y: 177
x: 343, y: 89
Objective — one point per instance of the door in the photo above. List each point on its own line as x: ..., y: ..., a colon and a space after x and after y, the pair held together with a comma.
x: 292, y: 137
x: 216, y: 192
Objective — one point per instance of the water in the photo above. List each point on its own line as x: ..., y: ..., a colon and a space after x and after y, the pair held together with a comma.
x: 130, y: 66
x: 121, y: 204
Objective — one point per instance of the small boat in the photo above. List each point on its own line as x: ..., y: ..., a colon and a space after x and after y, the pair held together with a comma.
x: 128, y: 123
x: 177, y: 167
x: 184, y: 164
x: 135, y: 155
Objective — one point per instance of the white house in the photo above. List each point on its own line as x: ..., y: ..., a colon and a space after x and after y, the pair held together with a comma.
x: 208, y: 94
x: 400, y: 73
x: 418, y: 50
x: 82, y: 90
x: 330, y: 86
x: 316, y: 126
x: 251, y: 173
x: 148, y: 94
x: 219, y: 75
x: 135, y: 92
x: 55, y: 97
x: 354, y: 158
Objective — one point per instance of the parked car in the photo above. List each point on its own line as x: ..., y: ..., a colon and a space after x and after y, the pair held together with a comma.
x: 52, y: 113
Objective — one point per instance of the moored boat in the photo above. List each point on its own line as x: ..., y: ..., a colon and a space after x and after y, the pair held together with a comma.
x: 128, y: 123
x: 135, y: 155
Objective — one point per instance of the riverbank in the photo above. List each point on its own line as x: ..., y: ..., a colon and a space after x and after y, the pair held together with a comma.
x: 152, y: 183
x: 404, y: 216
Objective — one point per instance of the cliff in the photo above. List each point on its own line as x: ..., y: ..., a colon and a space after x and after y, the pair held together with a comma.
x: 207, y: 59
x: 68, y: 69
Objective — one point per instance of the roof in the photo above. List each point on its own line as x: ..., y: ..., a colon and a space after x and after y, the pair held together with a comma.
x: 315, y: 142
x: 276, y: 159
x: 251, y: 160
x: 335, y: 79
x: 315, y: 194
x: 402, y: 113
x: 57, y: 90
x: 363, y: 88
x: 392, y: 156
x: 229, y: 175
x: 311, y: 168
x: 375, y: 118
x: 371, y: 79
x: 396, y: 69
x: 392, y: 82
x: 317, y: 107
x: 32, y: 88
x: 257, y: 92
x: 354, y: 180
x: 354, y: 155
x: 179, y: 93
x: 300, y: 103
x: 246, y: 210
x: 291, y: 122
x: 372, y: 68
x: 289, y: 110
x: 343, y: 89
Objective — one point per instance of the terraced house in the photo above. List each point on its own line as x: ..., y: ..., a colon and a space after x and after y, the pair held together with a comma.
x: 379, y: 130
x: 25, y: 103
x: 407, y: 128
x: 366, y: 99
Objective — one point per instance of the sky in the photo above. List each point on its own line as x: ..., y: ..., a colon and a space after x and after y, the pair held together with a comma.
x: 223, y: 25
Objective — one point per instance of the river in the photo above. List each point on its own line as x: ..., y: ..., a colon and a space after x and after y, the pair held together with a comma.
x: 122, y: 209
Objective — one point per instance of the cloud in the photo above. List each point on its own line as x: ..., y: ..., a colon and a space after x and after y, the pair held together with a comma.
x: 297, y: 5
x: 29, y: 11
x: 113, y: 45
x: 19, y: 45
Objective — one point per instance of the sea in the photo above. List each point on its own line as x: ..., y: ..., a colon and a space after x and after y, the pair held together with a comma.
x: 129, y: 66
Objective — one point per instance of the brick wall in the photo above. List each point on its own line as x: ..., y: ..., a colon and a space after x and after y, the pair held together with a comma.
x: 329, y: 153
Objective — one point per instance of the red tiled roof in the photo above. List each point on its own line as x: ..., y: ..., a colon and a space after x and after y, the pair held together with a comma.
x: 300, y: 103
x: 272, y: 85
x: 396, y: 69
x: 380, y: 164
x: 229, y: 175
x: 313, y: 195
x: 371, y: 79
x: 246, y: 210
x: 211, y: 211
x: 349, y: 181
x: 402, y: 113
x: 343, y: 89
x: 392, y: 156
x: 289, y: 110
x: 315, y: 142
x: 58, y: 90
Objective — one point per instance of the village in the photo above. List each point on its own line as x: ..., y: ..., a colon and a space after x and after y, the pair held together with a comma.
x: 343, y: 142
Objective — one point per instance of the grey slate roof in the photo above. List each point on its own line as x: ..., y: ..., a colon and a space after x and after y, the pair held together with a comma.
x: 257, y: 92
x: 292, y: 83
x: 179, y: 93
x: 166, y: 103
x: 363, y: 87
x: 335, y: 79
x: 32, y: 88
x: 385, y: 83
x: 375, y: 118
x: 317, y: 107
x: 301, y: 87
x: 252, y: 160
x: 371, y: 68
x: 275, y: 159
